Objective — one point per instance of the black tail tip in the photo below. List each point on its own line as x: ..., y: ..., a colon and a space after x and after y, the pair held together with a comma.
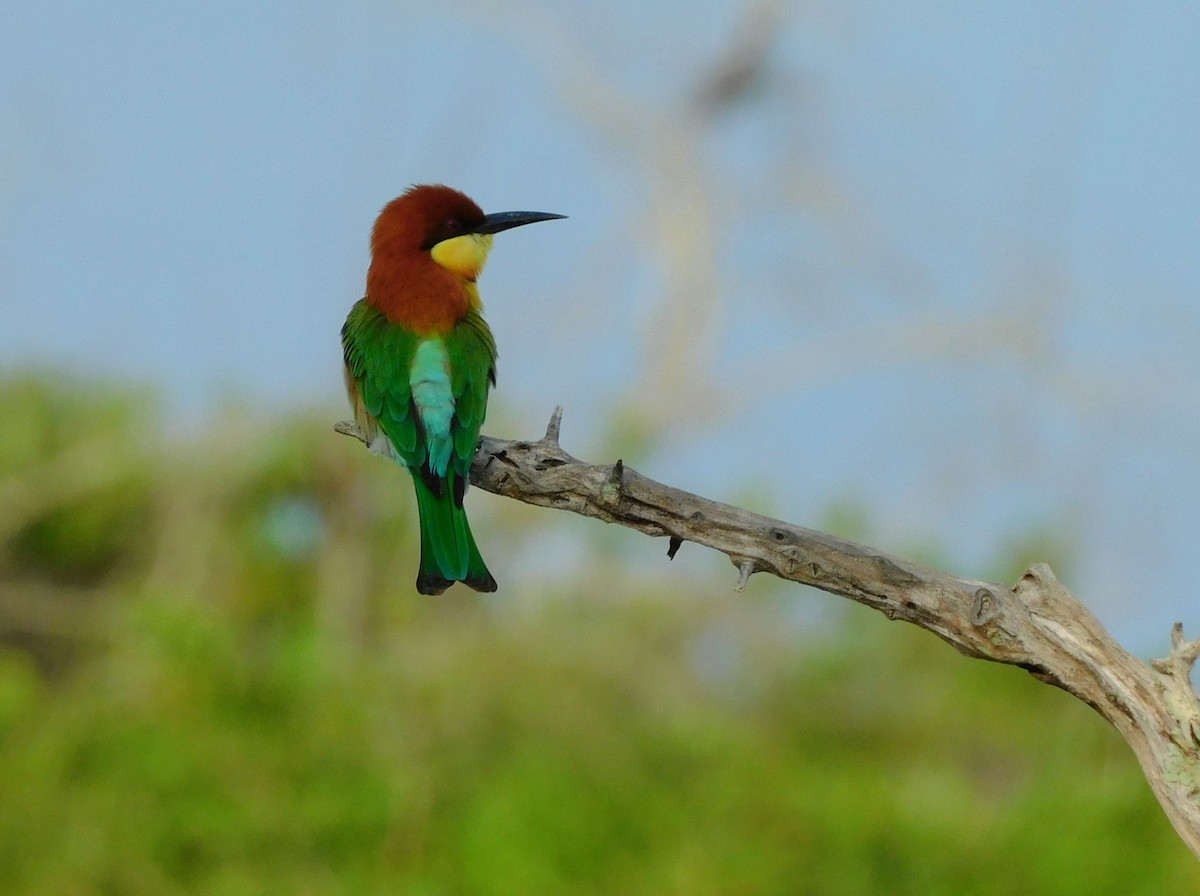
x: 429, y: 583
x: 433, y: 584
x: 481, y: 583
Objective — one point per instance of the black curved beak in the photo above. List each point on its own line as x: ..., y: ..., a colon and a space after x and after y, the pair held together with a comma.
x: 498, y: 221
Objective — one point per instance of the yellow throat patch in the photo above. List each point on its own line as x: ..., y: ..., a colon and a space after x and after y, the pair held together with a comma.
x: 465, y: 255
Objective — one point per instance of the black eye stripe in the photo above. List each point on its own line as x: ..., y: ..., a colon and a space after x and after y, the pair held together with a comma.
x: 449, y: 228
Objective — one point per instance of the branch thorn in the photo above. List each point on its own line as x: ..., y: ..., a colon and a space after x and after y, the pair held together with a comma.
x: 614, y: 485
x: 350, y: 428
x: 745, y: 570
x: 554, y: 426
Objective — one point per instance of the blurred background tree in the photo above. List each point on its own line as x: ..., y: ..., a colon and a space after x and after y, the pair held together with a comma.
x: 216, y: 678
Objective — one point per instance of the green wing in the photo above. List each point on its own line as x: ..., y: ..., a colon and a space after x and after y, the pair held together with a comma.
x: 378, y: 357
x: 472, y: 352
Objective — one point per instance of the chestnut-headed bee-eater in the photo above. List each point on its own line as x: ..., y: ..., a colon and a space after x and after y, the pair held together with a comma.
x: 420, y: 359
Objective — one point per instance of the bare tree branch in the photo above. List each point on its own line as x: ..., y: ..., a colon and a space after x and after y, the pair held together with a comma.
x: 1037, y: 624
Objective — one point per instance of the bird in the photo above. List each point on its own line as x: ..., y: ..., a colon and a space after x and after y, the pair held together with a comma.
x: 420, y: 360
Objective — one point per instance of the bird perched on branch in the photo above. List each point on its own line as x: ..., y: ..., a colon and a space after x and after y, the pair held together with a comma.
x: 420, y: 360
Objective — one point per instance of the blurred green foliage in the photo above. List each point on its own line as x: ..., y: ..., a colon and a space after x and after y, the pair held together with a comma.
x: 215, y: 678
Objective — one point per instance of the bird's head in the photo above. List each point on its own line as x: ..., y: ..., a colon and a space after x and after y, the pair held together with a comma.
x: 427, y: 248
x: 435, y: 222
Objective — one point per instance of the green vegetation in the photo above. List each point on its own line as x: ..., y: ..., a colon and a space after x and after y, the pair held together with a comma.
x: 215, y: 678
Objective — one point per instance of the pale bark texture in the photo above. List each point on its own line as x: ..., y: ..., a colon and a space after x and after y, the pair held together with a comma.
x: 1036, y: 624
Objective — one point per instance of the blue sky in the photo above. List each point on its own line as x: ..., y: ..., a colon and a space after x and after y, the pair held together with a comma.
x: 954, y: 271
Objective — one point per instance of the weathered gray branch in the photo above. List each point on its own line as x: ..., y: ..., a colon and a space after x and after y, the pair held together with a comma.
x: 1037, y: 624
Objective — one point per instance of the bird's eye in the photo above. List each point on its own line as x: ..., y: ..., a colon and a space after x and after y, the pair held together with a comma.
x: 448, y: 228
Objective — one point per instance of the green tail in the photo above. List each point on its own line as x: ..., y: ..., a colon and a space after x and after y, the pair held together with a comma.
x: 448, y: 550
